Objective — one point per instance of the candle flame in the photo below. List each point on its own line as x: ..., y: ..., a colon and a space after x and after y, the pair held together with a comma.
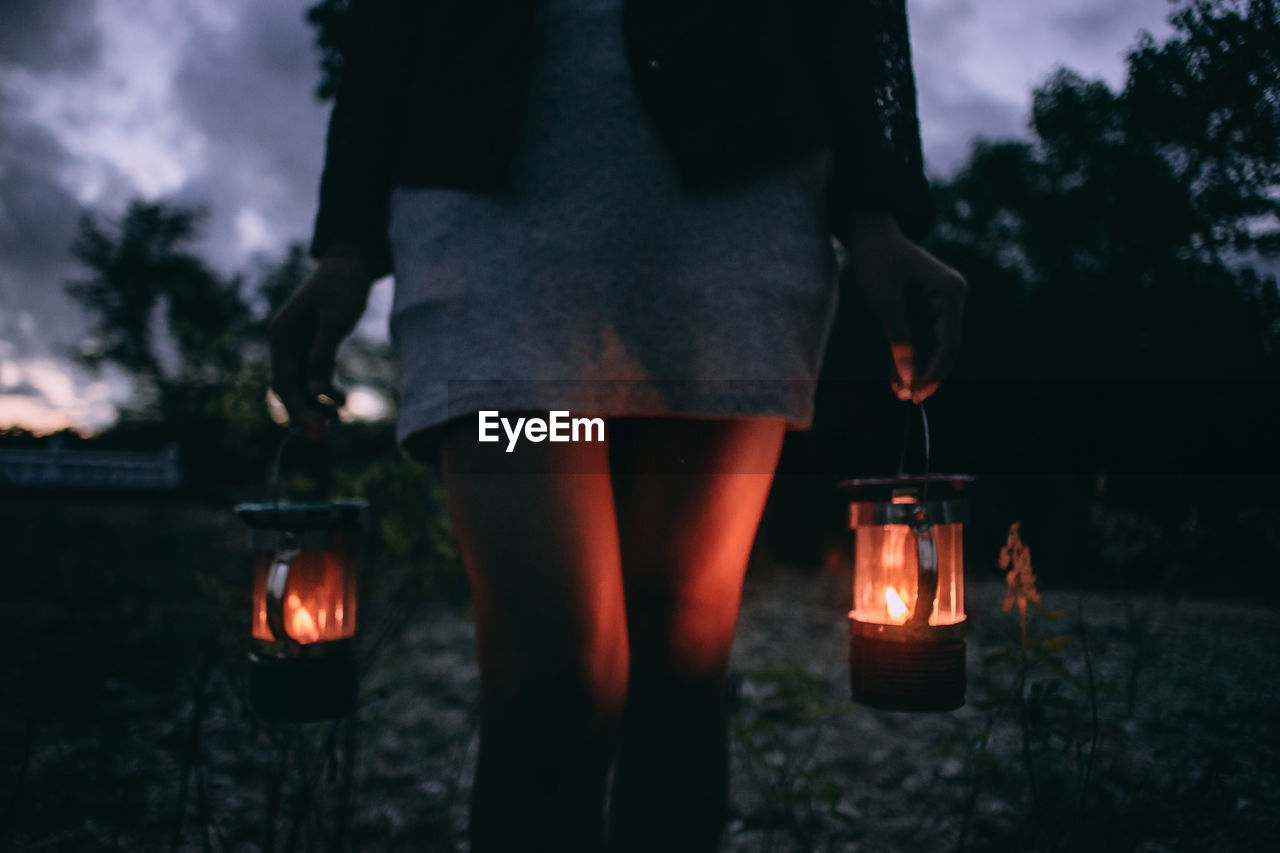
x: 301, y: 626
x: 897, y: 608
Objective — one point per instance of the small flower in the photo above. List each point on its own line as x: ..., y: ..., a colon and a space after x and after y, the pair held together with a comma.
x: 1015, y: 559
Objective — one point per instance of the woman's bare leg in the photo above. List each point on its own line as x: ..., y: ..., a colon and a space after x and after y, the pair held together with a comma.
x: 542, y: 558
x: 685, y: 540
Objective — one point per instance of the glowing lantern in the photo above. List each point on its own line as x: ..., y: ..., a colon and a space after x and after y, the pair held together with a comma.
x: 301, y: 661
x: 907, y: 621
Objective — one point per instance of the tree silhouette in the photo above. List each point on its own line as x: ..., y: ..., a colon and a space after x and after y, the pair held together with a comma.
x: 1209, y: 101
x: 1119, y: 320
x: 157, y: 309
x: 1127, y: 224
x: 194, y: 342
x: 188, y: 337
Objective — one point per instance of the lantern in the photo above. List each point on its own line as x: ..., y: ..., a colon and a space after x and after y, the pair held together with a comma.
x: 301, y: 661
x: 907, y: 622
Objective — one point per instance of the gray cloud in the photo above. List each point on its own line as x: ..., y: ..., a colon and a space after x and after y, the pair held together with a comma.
x: 249, y: 92
x: 1099, y: 23
x: 244, y: 87
x: 951, y: 125
x: 46, y: 35
x: 977, y: 61
x: 23, y: 389
x: 37, y: 213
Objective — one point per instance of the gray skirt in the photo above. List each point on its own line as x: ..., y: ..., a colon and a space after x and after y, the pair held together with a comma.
x: 597, y: 285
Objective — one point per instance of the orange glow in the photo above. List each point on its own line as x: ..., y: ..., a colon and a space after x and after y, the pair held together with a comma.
x: 319, y: 603
x: 893, y: 548
x: 897, y: 609
x: 301, y: 626
x: 884, y: 587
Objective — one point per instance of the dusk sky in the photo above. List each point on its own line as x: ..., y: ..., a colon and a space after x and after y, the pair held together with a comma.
x: 211, y: 102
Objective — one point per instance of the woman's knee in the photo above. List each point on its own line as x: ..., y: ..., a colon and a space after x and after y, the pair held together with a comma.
x: 568, y: 690
x: 681, y: 637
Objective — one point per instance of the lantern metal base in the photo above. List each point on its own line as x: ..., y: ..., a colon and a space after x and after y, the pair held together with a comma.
x: 898, y: 676
x: 302, y: 689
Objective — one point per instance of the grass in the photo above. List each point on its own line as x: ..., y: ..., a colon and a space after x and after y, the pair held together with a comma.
x: 124, y: 725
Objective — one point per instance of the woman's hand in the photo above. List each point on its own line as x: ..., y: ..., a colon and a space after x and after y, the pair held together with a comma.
x: 305, y: 334
x: 918, y: 299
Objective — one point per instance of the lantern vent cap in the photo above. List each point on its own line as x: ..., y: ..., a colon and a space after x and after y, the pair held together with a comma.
x: 291, y: 515
x: 887, y: 485
x: 907, y: 499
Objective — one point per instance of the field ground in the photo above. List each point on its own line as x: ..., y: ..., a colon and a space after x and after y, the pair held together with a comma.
x: 124, y: 727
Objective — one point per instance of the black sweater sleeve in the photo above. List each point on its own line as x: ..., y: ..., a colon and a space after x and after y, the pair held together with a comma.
x: 866, y: 63
x: 363, y: 138
x: 876, y: 133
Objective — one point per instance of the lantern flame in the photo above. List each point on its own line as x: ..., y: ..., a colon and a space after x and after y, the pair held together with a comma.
x: 897, y: 608
x: 301, y: 626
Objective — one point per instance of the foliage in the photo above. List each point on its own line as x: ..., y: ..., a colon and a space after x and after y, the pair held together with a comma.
x: 1122, y: 319
x: 778, y: 728
x: 193, y: 341
x: 408, y: 527
x: 1015, y: 561
x: 1209, y: 102
x: 1044, y: 709
x: 185, y: 335
x: 141, y: 270
x: 1138, y: 201
x: 1066, y: 755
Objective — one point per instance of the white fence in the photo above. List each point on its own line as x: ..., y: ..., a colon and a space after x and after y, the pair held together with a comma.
x: 55, y: 466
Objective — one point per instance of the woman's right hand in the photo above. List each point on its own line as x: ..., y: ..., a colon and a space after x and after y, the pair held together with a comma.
x: 919, y: 301
x: 305, y: 334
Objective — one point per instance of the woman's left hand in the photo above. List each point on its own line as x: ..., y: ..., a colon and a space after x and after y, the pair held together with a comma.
x: 305, y: 334
x: 919, y: 301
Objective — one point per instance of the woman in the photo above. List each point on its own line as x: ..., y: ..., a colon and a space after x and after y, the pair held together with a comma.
x: 621, y: 209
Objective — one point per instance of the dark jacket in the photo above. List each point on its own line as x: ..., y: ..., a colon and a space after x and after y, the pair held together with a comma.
x: 430, y: 95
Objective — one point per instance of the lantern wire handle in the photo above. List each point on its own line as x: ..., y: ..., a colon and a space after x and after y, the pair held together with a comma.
x: 906, y: 437
x: 924, y: 423
x: 326, y: 473
x: 275, y: 469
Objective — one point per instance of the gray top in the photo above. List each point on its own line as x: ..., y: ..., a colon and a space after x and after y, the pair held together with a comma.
x: 597, y: 284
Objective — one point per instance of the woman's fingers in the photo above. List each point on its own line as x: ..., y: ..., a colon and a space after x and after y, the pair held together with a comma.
x: 288, y: 339
x: 305, y: 335
x: 291, y: 340
x: 878, y: 273
x: 322, y: 358
x: 919, y: 301
x: 904, y: 364
x: 942, y: 321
